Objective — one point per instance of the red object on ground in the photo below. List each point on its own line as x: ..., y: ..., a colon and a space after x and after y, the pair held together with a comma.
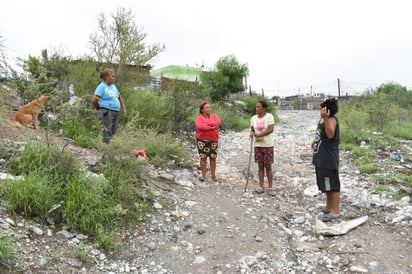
x: 141, y: 152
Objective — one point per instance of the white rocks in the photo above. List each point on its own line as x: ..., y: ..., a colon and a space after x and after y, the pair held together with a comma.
x: 36, y: 230
x: 358, y: 269
x: 199, y: 260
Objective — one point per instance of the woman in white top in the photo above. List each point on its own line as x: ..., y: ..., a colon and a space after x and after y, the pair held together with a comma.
x: 262, y: 125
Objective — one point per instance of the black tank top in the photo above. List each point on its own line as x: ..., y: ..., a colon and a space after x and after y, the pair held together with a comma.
x: 326, y: 151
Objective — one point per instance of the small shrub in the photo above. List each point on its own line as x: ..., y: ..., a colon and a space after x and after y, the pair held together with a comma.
x: 401, y: 179
x: 82, y: 253
x: 383, y: 188
x: 402, y: 130
x: 81, y: 134
x: 109, y: 241
x: 34, y: 196
x: 397, y: 196
x: 347, y: 146
x: 368, y: 168
x: 382, y: 142
x: 363, y: 153
x: 378, y: 178
x: 162, y: 148
x: 46, y: 161
x: 8, y: 250
x: 87, y: 206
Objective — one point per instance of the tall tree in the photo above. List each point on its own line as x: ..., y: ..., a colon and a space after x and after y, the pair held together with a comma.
x: 396, y: 94
x: 119, y: 41
x: 227, y: 78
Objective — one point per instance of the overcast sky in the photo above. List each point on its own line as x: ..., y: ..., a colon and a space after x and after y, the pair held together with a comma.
x: 290, y: 46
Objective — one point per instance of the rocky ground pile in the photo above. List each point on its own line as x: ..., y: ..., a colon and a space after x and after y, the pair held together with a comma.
x: 217, y: 227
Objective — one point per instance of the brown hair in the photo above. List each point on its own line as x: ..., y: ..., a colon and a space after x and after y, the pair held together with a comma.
x: 202, y: 105
x: 263, y: 104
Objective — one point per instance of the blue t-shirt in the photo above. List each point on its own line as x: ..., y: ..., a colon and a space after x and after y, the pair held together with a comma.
x: 109, y: 96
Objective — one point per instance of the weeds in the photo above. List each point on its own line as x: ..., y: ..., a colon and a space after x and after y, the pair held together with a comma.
x: 82, y: 253
x: 369, y: 168
x: 8, y: 250
x: 54, y: 186
x: 33, y: 196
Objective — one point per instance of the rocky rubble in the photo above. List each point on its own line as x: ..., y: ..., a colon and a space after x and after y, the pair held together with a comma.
x: 217, y: 227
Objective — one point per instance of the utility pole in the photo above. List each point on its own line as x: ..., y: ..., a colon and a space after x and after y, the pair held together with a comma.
x: 338, y: 89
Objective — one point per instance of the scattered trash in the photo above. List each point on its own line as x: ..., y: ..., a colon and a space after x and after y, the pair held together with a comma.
x: 312, y: 191
x: 141, y: 152
x: 396, y: 157
x: 6, y: 176
x: 72, y: 96
x: 338, y: 228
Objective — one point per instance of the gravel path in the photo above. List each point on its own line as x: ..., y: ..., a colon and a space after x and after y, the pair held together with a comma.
x: 218, y: 228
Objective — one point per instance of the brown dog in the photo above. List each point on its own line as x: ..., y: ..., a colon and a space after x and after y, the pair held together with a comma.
x: 30, y: 112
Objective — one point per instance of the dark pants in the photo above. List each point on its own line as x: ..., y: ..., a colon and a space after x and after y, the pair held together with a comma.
x: 109, y: 120
x: 327, y: 179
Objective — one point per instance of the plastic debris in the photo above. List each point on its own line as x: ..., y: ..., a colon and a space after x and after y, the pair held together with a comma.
x: 338, y: 228
x: 141, y: 152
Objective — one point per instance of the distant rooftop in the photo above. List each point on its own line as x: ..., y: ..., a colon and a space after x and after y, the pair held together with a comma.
x: 178, y: 72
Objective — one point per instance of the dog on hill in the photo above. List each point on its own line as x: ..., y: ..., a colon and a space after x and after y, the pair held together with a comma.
x: 30, y: 112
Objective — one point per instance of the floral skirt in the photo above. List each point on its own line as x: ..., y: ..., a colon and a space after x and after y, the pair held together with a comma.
x: 207, y: 148
x: 264, y: 155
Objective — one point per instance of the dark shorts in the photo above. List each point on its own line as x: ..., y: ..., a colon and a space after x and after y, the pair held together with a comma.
x: 264, y: 155
x: 207, y: 148
x: 327, y: 180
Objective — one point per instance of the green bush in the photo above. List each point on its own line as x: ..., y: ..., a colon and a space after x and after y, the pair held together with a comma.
x: 401, y: 130
x: 395, y: 195
x: 53, y: 180
x: 8, y: 250
x: 82, y: 253
x: 79, y: 122
x: 146, y: 109
x: 81, y: 134
x: 45, y: 161
x: 251, y: 106
x: 401, y: 179
x: 162, y: 148
x: 109, y: 241
x: 382, y: 188
x: 365, y: 154
x: 347, y: 146
x: 368, y: 168
x: 34, y: 196
x: 87, y: 206
x: 378, y: 178
x: 353, y: 125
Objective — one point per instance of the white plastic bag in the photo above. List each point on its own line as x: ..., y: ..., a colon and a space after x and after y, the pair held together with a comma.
x: 337, y: 228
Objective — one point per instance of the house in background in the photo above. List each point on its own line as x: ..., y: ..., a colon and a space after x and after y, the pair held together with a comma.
x: 184, y: 73
x: 173, y: 76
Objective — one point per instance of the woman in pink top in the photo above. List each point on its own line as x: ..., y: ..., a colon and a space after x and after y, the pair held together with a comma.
x: 207, y: 137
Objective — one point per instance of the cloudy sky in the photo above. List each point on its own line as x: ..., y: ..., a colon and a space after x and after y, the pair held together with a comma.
x: 290, y: 46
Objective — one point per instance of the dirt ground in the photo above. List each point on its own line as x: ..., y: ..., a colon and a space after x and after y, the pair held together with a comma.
x: 216, y: 227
